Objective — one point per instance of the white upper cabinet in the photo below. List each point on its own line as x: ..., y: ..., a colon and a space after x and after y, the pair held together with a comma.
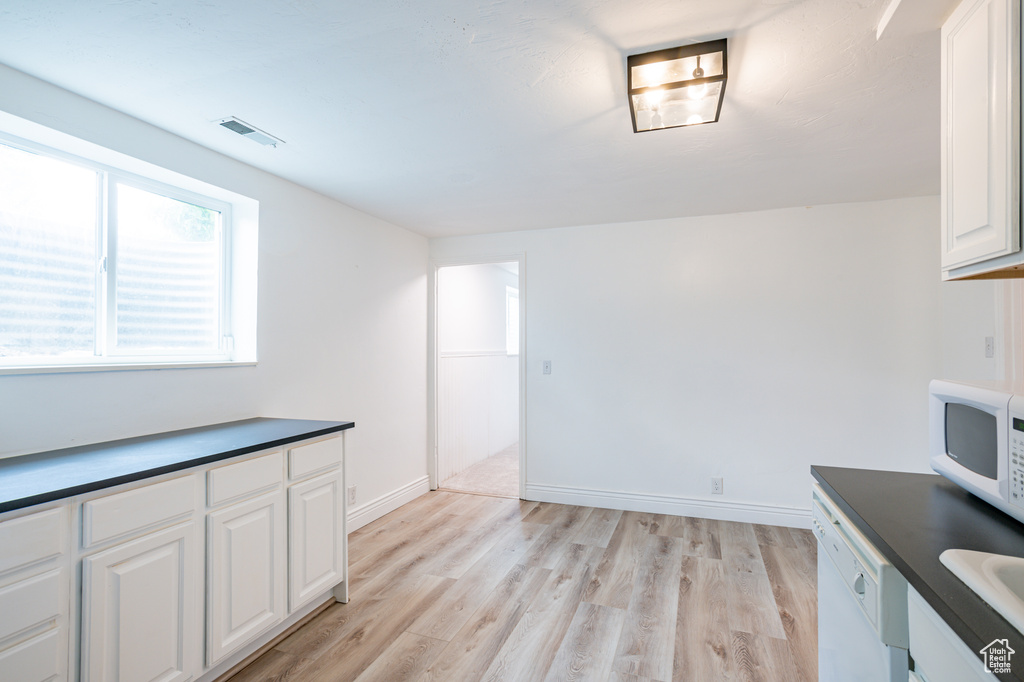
x: 981, y: 141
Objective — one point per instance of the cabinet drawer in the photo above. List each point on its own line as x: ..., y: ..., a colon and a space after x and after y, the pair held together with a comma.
x: 306, y: 460
x: 37, y: 660
x: 241, y: 479
x: 30, y: 539
x: 135, y: 510
x: 32, y: 602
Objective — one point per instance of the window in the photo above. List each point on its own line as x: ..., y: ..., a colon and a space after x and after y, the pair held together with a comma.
x: 511, y: 321
x: 101, y: 267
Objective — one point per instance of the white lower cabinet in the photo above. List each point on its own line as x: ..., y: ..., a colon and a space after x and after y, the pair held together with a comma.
x: 40, y: 659
x: 315, y: 538
x: 246, y: 566
x: 138, y: 609
x: 939, y: 655
x: 35, y: 601
x: 226, y: 554
x: 31, y: 539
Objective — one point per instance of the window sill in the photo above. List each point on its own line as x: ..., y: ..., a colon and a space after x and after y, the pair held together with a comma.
x: 120, y: 367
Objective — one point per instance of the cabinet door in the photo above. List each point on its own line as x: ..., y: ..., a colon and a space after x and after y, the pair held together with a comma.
x: 246, y: 568
x: 138, y: 609
x: 939, y: 655
x: 980, y: 132
x: 316, y: 551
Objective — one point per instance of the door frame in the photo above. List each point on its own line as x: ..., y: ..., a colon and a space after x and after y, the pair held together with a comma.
x: 432, y: 357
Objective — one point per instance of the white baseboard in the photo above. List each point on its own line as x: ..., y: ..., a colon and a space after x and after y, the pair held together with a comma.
x: 374, y: 509
x: 793, y: 517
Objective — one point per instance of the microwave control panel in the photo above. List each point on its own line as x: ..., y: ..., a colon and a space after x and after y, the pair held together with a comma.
x: 1016, y: 460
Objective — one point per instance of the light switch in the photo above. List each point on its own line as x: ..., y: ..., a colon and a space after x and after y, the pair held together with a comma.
x: 547, y: 367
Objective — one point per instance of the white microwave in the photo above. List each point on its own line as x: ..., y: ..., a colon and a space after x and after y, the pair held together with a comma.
x: 976, y: 440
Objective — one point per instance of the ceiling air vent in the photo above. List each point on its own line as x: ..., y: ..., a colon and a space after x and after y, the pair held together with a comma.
x: 251, y: 132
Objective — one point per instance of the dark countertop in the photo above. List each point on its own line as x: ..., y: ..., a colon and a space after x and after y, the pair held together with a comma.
x: 911, y: 519
x: 46, y: 476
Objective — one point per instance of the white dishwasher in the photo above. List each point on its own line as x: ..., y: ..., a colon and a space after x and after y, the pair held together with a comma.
x: 862, y: 603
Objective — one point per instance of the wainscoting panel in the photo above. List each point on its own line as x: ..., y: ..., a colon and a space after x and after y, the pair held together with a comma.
x: 477, y: 408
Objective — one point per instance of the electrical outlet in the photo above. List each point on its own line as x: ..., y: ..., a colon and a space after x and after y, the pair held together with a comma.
x: 351, y: 494
x: 716, y: 485
x: 990, y: 347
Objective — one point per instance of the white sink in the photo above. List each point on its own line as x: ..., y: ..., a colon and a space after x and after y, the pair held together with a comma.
x: 996, y: 578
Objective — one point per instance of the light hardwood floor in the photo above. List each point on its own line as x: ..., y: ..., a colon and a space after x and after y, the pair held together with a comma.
x: 455, y: 588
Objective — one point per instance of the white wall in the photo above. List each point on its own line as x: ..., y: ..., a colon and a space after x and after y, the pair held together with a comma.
x: 341, y: 332
x: 478, y: 383
x: 471, y: 307
x: 972, y: 311
x: 748, y: 346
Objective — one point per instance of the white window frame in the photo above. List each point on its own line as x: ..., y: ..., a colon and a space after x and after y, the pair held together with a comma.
x: 238, y: 254
x: 109, y: 274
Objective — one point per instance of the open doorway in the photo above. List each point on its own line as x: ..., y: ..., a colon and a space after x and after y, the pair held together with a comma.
x: 477, y: 379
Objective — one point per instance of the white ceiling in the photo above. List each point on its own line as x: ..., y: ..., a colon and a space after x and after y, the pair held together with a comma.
x: 468, y: 116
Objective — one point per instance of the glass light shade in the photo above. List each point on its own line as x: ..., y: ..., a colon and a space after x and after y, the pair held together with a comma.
x: 678, y: 86
x: 688, y: 105
x: 48, y: 252
x: 676, y: 70
x: 168, y: 273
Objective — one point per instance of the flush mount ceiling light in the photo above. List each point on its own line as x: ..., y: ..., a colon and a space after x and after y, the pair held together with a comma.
x: 678, y: 86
